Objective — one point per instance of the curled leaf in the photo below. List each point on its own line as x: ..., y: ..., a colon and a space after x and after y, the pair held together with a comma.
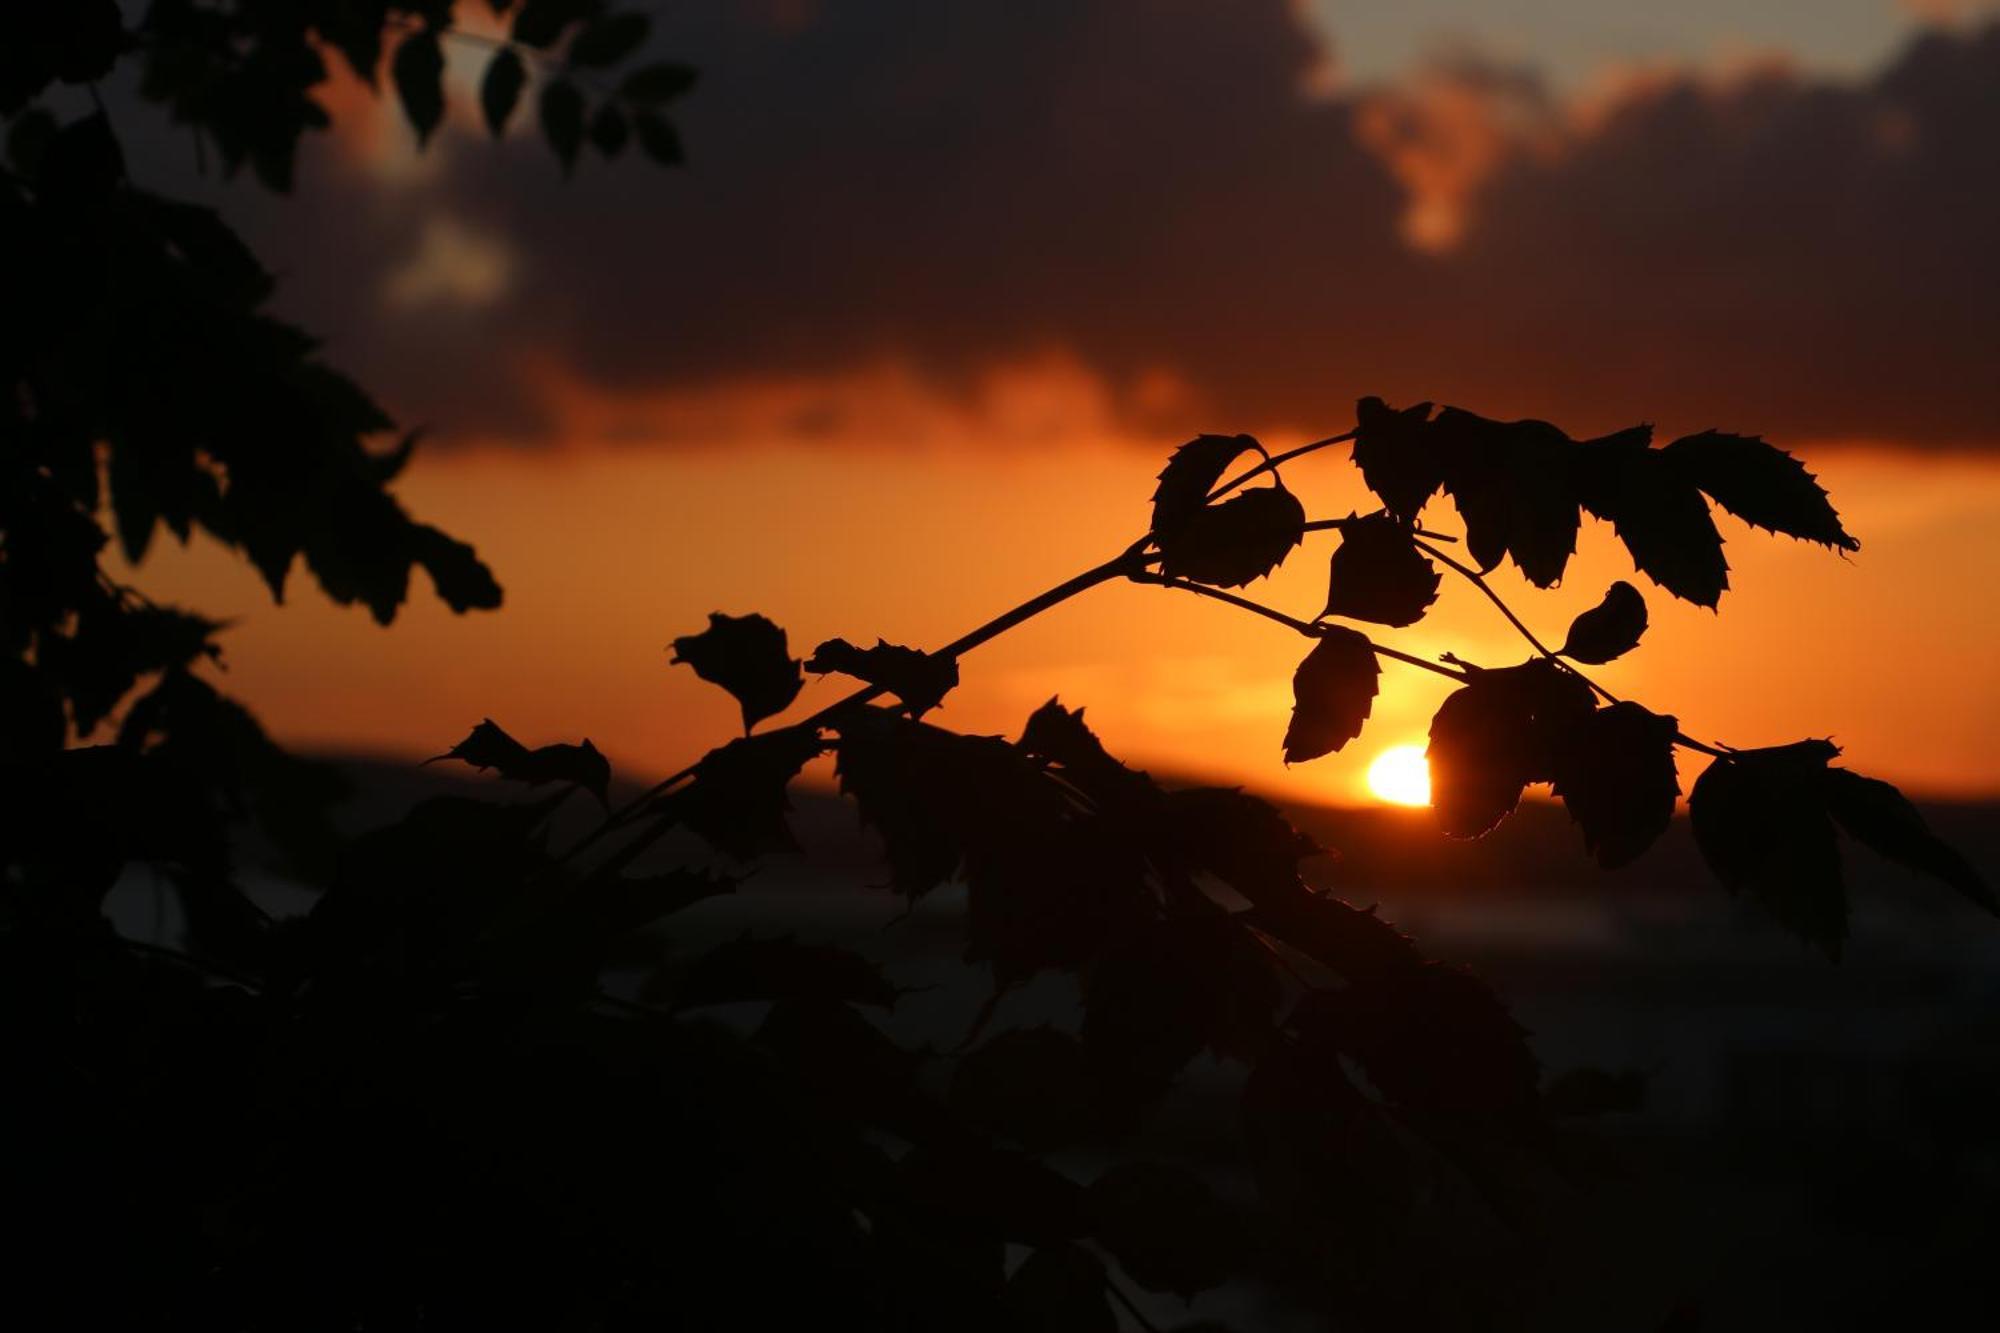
x: 1378, y: 574
x: 1608, y: 630
x: 1194, y: 471
x: 489, y: 746
x: 919, y: 679
x: 500, y: 89
x: 1332, y: 692
x: 747, y: 656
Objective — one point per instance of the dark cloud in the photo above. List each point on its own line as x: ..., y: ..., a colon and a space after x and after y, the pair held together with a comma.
x: 1144, y: 184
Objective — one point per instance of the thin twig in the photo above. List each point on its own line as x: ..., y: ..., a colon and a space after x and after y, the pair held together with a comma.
x: 1275, y: 461
x: 1307, y: 628
x: 1322, y: 524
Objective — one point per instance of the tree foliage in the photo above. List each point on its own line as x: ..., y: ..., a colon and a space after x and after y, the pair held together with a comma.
x: 440, y: 1097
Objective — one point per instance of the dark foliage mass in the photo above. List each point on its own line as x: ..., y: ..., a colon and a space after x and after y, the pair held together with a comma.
x: 485, y: 1082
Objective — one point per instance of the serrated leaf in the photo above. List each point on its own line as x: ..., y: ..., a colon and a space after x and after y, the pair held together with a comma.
x: 562, y: 111
x: 608, y: 40
x: 653, y: 84
x: 1398, y: 455
x: 1657, y: 512
x: 1496, y: 735
x: 1332, y: 692
x: 1608, y: 630
x: 919, y: 679
x: 418, y: 70
x: 1760, y: 484
x: 1193, y: 472
x: 747, y: 656
x: 1236, y: 541
x: 1378, y: 574
x: 489, y: 746
x: 1882, y: 819
x: 500, y: 89
x: 1512, y: 483
x: 658, y: 139
x: 1615, y: 774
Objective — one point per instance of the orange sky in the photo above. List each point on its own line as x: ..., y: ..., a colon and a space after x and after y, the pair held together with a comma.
x: 910, y: 339
x: 607, y: 553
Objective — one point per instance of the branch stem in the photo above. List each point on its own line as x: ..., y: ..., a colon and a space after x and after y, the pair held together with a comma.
x: 1272, y: 463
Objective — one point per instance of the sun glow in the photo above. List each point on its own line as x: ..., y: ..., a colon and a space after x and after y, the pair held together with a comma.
x: 1401, y: 775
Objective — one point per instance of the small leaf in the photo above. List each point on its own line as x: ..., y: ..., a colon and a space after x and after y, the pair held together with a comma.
x: 1615, y: 775
x: 1194, y: 471
x: 1377, y: 573
x: 1882, y: 819
x: 1608, y: 630
x: 1229, y: 544
x: 419, y: 75
x: 1760, y: 484
x: 653, y: 84
x: 1398, y: 455
x: 919, y: 679
x: 500, y: 90
x: 658, y: 139
x: 1332, y: 692
x: 1760, y: 820
x: 747, y: 656
x: 488, y: 746
x: 609, y: 130
x: 562, y: 120
x: 608, y: 40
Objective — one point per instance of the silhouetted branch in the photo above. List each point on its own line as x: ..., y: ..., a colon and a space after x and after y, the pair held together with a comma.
x: 1274, y: 462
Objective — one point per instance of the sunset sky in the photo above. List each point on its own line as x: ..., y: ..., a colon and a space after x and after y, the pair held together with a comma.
x: 944, y: 284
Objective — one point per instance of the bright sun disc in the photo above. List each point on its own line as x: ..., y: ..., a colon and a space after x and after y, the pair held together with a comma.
x: 1401, y: 775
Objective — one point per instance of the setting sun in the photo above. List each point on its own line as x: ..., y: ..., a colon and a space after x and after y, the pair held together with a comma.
x: 1401, y: 775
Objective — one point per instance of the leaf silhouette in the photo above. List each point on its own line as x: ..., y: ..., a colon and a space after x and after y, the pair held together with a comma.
x: 562, y: 110
x: 1398, y: 455
x: 1882, y: 819
x: 419, y: 73
x: 1608, y: 630
x: 1194, y: 470
x: 1229, y: 544
x: 1760, y: 819
x: 1615, y: 774
x: 919, y: 679
x: 1657, y: 512
x: 609, y: 130
x: 500, y: 89
x: 1242, y: 840
x: 1511, y: 481
x: 658, y: 138
x: 1164, y: 1226
x: 1378, y: 574
x: 1494, y: 736
x: 488, y: 746
x: 747, y: 656
x: 1332, y: 692
x: 738, y: 799
x: 1760, y: 484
